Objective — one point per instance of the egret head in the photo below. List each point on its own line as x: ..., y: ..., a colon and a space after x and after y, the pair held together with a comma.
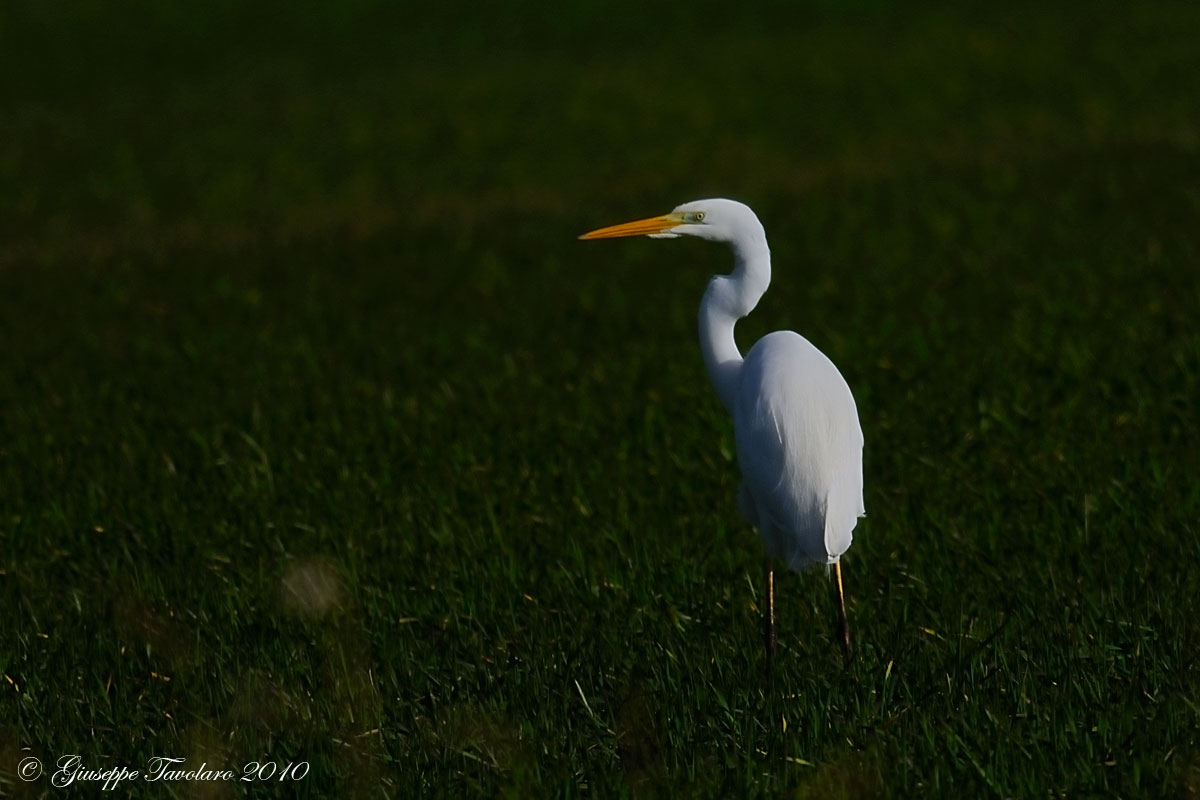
x: 718, y: 220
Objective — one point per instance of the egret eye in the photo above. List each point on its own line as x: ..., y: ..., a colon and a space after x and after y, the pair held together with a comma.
x: 699, y: 216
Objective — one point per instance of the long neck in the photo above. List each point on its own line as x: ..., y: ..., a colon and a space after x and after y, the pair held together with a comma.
x: 728, y: 299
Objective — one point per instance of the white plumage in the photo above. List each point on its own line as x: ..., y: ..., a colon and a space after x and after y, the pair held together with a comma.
x: 799, y: 443
x: 799, y: 446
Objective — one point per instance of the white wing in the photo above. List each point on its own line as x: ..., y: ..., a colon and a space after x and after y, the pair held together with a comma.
x: 799, y: 445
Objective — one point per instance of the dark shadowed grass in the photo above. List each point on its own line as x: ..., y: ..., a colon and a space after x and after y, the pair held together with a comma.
x: 322, y: 440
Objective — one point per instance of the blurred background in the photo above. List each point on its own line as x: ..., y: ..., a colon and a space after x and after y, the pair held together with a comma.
x: 321, y: 437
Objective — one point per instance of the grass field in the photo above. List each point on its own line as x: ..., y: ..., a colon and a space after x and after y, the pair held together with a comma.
x: 322, y: 439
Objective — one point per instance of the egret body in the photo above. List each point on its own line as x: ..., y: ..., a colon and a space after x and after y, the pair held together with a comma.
x: 799, y: 443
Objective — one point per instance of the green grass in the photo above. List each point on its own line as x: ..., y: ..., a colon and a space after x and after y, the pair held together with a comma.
x: 323, y: 440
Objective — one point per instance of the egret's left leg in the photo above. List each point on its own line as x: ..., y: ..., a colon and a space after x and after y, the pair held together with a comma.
x: 769, y: 616
x: 843, y: 629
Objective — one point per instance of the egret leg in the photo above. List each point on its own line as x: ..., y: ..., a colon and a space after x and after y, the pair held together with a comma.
x: 843, y: 628
x: 769, y: 619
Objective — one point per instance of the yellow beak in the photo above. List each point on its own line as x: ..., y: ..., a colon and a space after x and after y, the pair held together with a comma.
x: 641, y: 227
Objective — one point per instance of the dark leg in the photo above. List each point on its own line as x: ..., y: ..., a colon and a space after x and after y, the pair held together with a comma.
x: 843, y: 628
x: 769, y: 626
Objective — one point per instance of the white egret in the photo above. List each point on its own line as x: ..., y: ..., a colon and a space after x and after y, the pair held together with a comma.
x: 799, y: 443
